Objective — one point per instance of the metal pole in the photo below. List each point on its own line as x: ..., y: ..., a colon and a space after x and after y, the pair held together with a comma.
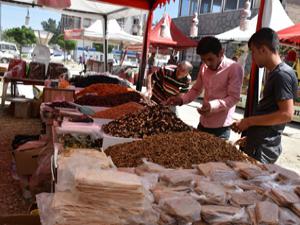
x: 105, y: 44
x: 0, y: 21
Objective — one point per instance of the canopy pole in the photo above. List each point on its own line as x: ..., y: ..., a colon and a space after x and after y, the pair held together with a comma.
x: 253, y: 86
x: 105, y: 45
x: 145, y: 51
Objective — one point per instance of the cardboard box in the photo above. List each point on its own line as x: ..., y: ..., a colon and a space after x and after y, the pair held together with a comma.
x: 27, y: 161
x: 58, y: 94
x: 20, y: 219
x: 22, y: 107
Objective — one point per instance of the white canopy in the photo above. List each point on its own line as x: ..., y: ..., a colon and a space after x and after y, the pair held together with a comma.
x: 275, y: 17
x: 86, y: 8
x: 114, y: 33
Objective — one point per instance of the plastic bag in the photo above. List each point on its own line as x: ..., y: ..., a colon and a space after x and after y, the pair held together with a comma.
x: 16, y: 68
x: 224, y: 215
x: 183, y: 208
x: 41, y: 179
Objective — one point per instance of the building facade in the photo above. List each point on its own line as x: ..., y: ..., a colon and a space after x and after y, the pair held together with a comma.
x: 218, y: 16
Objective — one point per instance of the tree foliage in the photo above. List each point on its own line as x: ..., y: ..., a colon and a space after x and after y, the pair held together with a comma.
x: 66, y: 45
x: 53, y: 27
x: 20, y: 35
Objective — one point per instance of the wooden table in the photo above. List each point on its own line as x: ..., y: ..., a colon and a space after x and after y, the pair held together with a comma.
x: 14, y: 81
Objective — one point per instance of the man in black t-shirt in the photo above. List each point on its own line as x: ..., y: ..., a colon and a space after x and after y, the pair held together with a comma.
x: 263, y: 130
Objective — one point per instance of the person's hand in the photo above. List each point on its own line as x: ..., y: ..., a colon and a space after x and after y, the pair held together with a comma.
x: 241, y: 125
x: 148, y: 94
x: 175, y: 100
x: 241, y: 142
x: 205, y: 109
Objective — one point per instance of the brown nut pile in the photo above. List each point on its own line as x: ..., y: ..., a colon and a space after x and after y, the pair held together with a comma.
x: 152, y: 120
x: 175, y: 150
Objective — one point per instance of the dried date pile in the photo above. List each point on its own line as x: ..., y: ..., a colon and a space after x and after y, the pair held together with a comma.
x: 109, y: 100
x: 152, y: 120
x: 175, y: 150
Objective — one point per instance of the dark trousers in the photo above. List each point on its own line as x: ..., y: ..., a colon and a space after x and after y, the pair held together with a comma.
x: 221, y: 132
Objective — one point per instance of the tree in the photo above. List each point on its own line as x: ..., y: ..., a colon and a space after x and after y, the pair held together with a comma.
x: 51, y: 26
x: 66, y: 45
x: 22, y: 36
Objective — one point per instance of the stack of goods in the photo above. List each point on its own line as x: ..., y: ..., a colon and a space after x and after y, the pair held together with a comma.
x: 80, y: 141
x: 173, y: 150
x: 87, y: 193
x: 152, y: 120
x: 80, y: 81
x: 119, y: 111
x: 110, y: 100
x: 55, y: 70
x: 212, y: 193
x: 104, y: 90
x: 16, y: 68
x: 37, y: 71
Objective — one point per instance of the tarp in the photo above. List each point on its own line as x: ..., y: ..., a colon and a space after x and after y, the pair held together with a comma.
x: 290, y: 35
x: 177, y: 39
x: 95, y: 33
x: 113, y: 9
x: 275, y: 16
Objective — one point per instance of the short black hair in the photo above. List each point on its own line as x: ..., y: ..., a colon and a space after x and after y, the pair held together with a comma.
x: 209, y: 44
x: 267, y: 37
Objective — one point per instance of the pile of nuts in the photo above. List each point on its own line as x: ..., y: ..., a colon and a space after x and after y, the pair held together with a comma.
x: 150, y: 121
x: 175, y: 150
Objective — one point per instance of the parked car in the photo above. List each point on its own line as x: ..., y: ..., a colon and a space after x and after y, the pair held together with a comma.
x: 8, y: 51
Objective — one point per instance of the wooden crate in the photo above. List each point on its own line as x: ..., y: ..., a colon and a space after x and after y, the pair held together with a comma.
x: 58, y: 94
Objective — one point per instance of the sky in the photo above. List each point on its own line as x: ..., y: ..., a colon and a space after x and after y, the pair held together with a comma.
x: 14, y: 16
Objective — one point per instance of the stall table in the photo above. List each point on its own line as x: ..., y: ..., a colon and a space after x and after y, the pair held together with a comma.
x: 14, y: 81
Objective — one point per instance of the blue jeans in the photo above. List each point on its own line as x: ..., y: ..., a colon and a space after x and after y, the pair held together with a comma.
x: 221, y: 132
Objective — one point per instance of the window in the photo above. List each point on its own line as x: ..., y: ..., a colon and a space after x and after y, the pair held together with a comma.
x: 194, y: 7
x: 255, y: 4
x: 231, y: 4
x: 11, y: 47
x: 205, y: 6
x: 241, y: 4
x: 121, y: 22
x: 217, y: 6
x: 185, y: 7
x: 86, y: 22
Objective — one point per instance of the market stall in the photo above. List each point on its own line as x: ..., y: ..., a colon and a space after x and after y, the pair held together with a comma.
x: 111, y: 156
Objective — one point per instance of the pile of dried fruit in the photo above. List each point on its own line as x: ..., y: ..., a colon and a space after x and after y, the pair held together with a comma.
x: 119, y: 111
x: 109, y: 100
x: 104, y: 90
x: 152, y: 120
x: 80, y: 141
x: 175, y: 150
